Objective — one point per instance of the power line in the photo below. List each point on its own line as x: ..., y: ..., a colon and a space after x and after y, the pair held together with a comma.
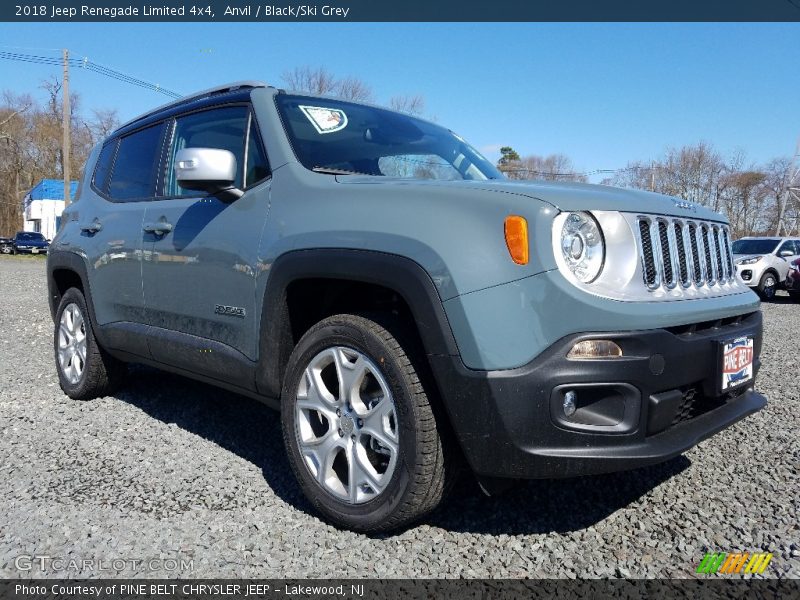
x: 89, y: 65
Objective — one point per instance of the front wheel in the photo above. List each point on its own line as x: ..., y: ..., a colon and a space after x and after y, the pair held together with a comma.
x: 767, y: 286
x: 359, y: 428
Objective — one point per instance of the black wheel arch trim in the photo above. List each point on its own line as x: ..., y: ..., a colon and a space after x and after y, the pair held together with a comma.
x: 402, y: 275
x: 67, y: 260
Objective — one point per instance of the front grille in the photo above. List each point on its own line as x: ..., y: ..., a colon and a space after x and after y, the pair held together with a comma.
x: 684, y: 252
x: 683, y: 265
x: 663, y: 236
x: 648, y: 264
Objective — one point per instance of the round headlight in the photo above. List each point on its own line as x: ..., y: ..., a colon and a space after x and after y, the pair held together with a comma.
x: 582, y: 246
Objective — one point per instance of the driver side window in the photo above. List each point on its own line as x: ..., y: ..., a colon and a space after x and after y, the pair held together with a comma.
x: 222, y: 128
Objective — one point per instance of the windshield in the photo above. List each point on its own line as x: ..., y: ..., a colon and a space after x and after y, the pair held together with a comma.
x: 754, y: 246
x: 342, y: 138
x: 29, y: 236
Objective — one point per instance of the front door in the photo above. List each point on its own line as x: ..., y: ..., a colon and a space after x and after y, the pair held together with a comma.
x: 201, y: 252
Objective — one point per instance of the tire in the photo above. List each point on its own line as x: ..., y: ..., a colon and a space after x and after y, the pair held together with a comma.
x: 767, y: 286
x: 410, y: 469
x: 6, y: 250
x: 85, y: 370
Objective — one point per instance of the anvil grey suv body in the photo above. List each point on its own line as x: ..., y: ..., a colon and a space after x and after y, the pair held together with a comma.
x: 406, y: 307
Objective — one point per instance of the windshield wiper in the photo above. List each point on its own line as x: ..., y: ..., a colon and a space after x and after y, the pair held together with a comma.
x: 334, y: 171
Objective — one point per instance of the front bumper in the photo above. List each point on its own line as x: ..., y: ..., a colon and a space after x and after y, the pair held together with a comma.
x: 661, y: 399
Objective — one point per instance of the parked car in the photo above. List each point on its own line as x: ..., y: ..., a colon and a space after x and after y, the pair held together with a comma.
x: 763, y: 262
x: 793, y: 280
x: 6, y: 245
x: 404, y: 305
x: 30, y: 242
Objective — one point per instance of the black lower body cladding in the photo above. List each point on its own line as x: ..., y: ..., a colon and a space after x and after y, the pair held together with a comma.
x: 661, y: 398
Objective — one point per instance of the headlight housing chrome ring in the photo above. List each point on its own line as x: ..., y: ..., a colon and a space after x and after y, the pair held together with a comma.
x: 582, y: 246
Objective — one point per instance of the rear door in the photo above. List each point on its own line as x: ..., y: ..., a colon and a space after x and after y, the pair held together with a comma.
x: 200, y: 263
x: 111, y: 224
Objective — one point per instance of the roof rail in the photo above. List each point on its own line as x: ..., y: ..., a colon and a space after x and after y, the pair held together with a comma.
x: 228, y: 87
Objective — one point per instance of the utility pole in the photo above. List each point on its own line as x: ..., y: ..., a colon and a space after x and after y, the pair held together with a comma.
x: 65, y: 126
x: 792, y: 189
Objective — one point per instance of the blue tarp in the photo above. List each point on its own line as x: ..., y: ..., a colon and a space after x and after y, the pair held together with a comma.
x: 52, y: 189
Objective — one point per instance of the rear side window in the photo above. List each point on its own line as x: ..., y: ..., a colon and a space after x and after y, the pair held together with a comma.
x: 222, y: 128
x: 133, y: 176
x: 103, y: 167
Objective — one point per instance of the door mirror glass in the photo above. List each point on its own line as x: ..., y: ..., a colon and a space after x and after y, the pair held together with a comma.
x: 205, y: 169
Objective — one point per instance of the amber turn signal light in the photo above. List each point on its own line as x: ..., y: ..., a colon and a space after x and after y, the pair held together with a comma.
x: 516, y: 231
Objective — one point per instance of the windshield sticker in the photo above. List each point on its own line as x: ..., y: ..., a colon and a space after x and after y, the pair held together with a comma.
x: 325, y: 120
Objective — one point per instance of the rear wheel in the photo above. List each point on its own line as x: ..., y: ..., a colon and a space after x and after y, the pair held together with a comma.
x: 767, y: 286
x: 359, y: 428
x: 85, y: 370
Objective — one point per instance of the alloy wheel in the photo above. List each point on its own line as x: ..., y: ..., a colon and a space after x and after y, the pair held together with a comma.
x: 769, y: 286
x: 346, y: 425
x: 72, y: 343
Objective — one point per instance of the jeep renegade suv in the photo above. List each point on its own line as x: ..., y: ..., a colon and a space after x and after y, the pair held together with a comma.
x: 405, y: 307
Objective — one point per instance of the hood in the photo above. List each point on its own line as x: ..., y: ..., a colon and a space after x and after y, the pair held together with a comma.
x: 738, y: 257
x: 563, y: 196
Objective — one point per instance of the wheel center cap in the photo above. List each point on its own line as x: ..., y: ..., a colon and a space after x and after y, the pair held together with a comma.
x: 347, y: 424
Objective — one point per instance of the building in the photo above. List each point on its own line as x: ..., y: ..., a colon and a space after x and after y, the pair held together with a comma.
x: 43, y: 205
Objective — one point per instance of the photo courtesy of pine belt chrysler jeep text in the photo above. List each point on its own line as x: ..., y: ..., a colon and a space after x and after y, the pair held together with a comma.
x: 408, y: 309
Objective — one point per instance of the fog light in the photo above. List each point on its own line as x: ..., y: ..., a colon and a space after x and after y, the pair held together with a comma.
x: 595, y: 349
x: 569, y: 403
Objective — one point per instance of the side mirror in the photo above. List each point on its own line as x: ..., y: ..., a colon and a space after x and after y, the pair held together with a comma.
x: 786, y: 253
x: 209, y: 170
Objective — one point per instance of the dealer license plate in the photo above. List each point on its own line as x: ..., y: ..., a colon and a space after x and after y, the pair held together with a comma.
x: 737, y: 362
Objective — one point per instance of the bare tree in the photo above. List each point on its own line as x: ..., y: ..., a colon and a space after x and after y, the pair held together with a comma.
x: 30, y: 146
x: 353, y: 88
x: 312, y: 80
x: 412, y: 105
x: 780, y: 173
x: 322, y: 82
x: 103, y: 123
x: 555, y: 167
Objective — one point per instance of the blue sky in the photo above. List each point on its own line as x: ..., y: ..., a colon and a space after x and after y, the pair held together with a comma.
x: 603, y: 94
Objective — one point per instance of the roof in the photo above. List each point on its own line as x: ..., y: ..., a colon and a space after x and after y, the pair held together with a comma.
x: 51, y: 189
x: 228, y: 87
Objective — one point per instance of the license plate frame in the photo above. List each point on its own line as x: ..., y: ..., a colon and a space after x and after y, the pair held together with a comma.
x: 736, y: 360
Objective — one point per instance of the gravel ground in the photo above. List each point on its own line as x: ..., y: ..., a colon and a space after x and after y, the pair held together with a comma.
x: 172, y: 469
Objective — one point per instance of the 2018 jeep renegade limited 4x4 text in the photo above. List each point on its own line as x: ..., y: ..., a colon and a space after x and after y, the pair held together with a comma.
x: 405, y: 307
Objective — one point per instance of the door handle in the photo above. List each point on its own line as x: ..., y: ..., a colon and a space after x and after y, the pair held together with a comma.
x: 159, y: 228
x: 92, y: 227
